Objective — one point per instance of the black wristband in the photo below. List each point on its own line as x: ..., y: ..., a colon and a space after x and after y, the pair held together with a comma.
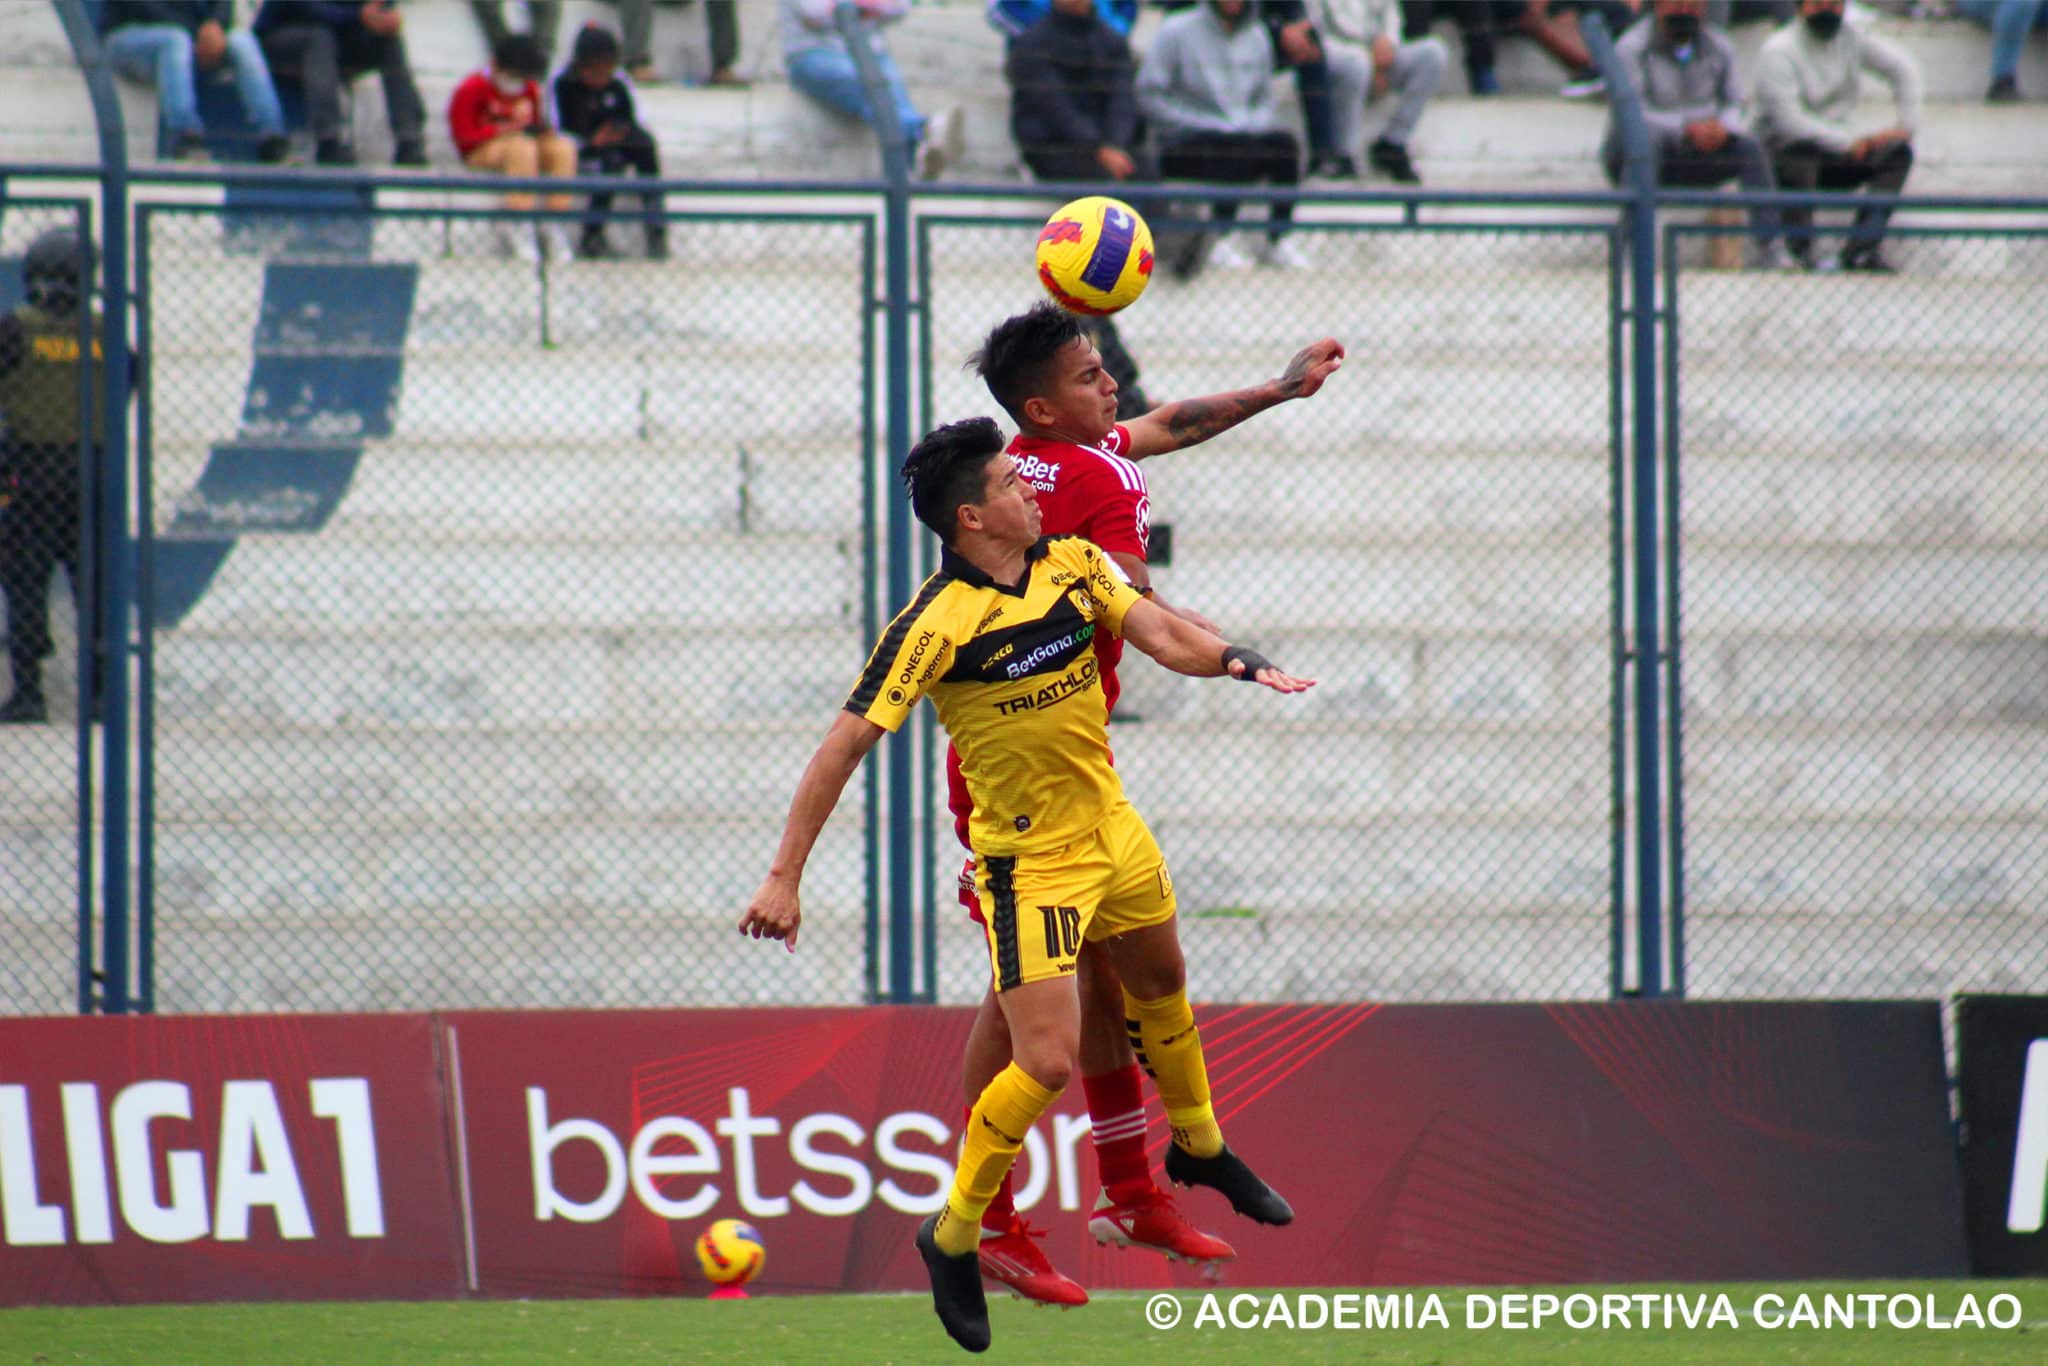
x: 1253, y: 662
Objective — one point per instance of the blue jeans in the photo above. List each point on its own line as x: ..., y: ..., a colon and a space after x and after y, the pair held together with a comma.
x: 161, y: 55
x: 2009, y: 21
x: 829, y: 77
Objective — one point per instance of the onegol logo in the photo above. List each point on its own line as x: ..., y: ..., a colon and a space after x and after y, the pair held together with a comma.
x: 835, y: 1149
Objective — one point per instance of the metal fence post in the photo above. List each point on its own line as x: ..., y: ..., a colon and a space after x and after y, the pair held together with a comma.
x: 113, y: 563
x: 1644, y: 505
x: 900, y: 748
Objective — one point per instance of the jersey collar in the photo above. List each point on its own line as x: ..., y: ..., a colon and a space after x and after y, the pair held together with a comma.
x: 959, y: 567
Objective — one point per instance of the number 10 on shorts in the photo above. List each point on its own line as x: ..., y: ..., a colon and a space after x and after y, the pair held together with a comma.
x: 1062, y: 930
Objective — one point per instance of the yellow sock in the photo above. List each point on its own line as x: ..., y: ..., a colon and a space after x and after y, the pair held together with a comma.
x: 1164, y: 1037
x: 1007, y: 1109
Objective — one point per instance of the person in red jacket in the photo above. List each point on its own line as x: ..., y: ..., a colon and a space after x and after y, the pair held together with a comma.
x: 499, y: 123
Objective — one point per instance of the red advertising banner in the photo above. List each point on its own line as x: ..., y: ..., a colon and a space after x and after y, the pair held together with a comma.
x: 243, y: 1158
x: 574, y: 1153
x: 1420, y: 1145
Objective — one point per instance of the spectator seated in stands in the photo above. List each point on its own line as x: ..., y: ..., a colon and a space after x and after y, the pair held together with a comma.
x: 594, y: 105
x: 1013, y: 17
x: 1206, y: 85
x: 1074, y: 113
x: 2009, y: 21
x: 1413, y: 69
x: 543, y: 18
x: 1806, y: 96
x: 721, y: 29
x: 1331, y: 84
x: 820, y: 66
x: 1685, y: 71
x: 499, y: 124
x: 325, y: 44
x: 171, y: 43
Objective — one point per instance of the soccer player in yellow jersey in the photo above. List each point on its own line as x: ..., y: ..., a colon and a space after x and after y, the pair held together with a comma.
x: 1000, y: 638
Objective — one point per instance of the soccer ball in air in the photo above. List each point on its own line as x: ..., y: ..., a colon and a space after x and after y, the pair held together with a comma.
x: 1095, y: 255
x: 730, y: 1252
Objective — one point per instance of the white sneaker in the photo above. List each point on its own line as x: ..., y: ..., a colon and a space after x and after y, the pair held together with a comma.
x: 1282, y: 254
x: 555, y: 241
x: 945, y: 136
x: 1226, y: 254
x: 515, y: 241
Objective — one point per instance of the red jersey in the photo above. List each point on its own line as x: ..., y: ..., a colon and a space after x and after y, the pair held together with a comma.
x: 478, y: 111
x: 1096, y: 492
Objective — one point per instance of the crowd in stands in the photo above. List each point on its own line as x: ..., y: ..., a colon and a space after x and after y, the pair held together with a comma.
x: 1198, y: 104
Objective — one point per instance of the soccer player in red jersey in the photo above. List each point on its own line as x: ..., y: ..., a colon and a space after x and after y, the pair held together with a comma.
x: 1046, y: 371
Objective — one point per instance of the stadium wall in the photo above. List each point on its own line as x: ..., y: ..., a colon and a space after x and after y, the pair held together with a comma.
x: 507, y: 1154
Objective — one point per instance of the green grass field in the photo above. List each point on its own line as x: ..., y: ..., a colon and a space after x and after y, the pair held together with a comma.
x: 901, y: 1328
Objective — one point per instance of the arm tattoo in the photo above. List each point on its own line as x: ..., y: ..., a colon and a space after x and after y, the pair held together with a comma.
x: 1194, y: 420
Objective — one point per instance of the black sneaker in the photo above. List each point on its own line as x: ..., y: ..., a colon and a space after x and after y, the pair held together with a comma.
x: 274, y: 148
x: 25, y: 708
x: 334, y: 152
x: 1226, y: 1172
x: 409, y: 152
x: 2004, y: 90
x: 1333, y: 166
x: 957, y: 1296
x: 593, y: 245
x: 1392, y: 158
x: 1868, y: 259
x: 1584, y: 85
x: 657, y: 244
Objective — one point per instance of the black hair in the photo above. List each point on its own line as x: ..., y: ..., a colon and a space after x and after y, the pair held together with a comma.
x: 594, y: 43
x: 948, y: 468
x: 518, y: 54
x: 1016, y: 359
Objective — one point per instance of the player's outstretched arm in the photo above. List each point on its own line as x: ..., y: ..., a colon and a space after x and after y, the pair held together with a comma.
x: 1186, y: 648
x: 1171, y: 426
x: 774, y: 912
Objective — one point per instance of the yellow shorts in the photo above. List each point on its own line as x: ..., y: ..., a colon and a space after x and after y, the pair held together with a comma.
x: 1038, y: 908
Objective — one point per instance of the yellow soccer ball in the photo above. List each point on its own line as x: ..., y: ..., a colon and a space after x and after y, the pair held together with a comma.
x: 730, y: 1252
x: 1095, y: 255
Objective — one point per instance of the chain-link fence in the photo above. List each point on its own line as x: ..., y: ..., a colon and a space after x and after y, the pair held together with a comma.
x: 1864, y: 589
x: 491, y: 606
x: 1432, y: 538
x: 47, y: 324
x: 496, y: 605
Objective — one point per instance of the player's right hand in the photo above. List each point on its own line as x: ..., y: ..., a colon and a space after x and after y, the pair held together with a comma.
x: 774, y: 913
x: 1312, y: 365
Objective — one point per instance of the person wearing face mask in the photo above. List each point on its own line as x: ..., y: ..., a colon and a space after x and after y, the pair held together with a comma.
x: 1685, y: 71
x: 1806, y: 96
x: 500, y: 124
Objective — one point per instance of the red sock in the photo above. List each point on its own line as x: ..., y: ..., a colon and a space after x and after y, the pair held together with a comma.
x: 1116, y: 1118
x: 1001, y: 1211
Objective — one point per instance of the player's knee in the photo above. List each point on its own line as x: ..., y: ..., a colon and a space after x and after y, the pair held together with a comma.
x: 1047, y: 1057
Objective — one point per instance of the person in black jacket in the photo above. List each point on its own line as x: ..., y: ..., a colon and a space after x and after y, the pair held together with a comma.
x: 594, y: 105
x: 1074, y: 114
x: 324, y: 44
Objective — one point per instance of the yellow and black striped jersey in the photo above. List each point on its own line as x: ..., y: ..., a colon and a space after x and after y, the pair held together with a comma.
x: 1012, y: 670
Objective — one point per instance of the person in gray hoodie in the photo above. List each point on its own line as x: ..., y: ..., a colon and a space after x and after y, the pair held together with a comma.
x: 1206, y: 83
x: 1806, y: 89
x: 1685, y: 71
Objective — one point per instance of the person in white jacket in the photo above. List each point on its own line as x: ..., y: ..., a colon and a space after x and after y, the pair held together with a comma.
x: 820, y: 66
x: 1806, y: 94
x: 1412, y: 70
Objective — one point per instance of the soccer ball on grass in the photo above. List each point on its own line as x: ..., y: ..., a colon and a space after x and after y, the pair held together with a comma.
x: 730, y: 1252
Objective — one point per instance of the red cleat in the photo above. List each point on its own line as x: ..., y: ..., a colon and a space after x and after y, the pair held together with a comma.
x: 1012, y: 1260
x: 1155, y: 1222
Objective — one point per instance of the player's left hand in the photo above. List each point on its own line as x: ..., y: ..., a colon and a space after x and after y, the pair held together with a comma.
x: 1312, y: 365
x: 774, y: 913
x: 1277, y: 679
